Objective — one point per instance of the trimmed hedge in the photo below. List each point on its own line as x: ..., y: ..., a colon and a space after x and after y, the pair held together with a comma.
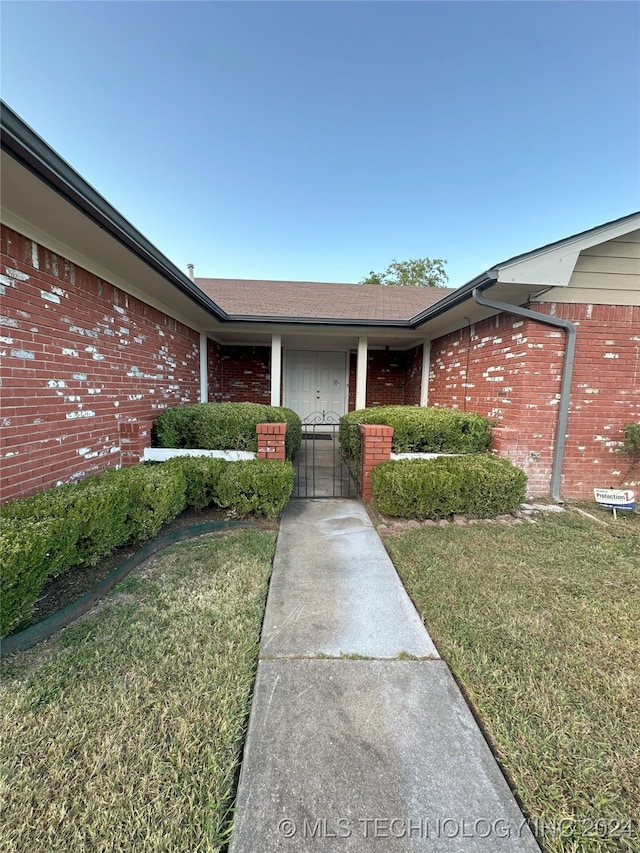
x: 30, y: 552
x: 260, y: 486
x: 202, y: 475
x: 77, y: 524
x: 478, y: 486
x: 254, y: 486
x: 419, y: 429
x: 223, y: 426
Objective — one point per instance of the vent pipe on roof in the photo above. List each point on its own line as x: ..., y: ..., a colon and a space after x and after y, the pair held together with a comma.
x: 190, y: 270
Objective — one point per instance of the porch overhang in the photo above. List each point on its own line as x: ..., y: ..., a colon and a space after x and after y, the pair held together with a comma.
x: 316, y: 337
x: 47, y: 201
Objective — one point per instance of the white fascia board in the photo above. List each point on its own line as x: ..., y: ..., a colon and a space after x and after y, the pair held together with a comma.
x: 64, y: 250
x: 553, y: 266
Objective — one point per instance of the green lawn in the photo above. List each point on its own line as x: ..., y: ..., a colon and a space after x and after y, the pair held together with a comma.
x: 540, y: 624
x: 124, y: 731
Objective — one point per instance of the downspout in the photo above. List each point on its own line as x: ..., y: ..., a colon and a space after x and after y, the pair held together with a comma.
x: 567, y: 373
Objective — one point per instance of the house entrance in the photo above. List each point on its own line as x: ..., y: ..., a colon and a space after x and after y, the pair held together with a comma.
x: 327, y: 464
x: 316, y: 389
x: 315, y: 385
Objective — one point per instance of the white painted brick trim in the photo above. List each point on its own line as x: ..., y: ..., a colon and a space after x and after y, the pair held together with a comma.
x: 161, y: 454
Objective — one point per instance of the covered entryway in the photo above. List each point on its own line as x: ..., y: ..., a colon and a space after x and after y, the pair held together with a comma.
x: 315, y: 385
x: 323, y: 468
x: 316, y: 389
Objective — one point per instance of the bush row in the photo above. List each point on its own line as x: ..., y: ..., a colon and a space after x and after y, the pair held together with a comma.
x: 78, y: 524
x: 223, y: 426
x: 422, y: 429
x: 478, y: 486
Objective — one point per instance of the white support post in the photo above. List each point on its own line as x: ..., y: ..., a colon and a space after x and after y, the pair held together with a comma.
x: 426, y: 367
x: 361, y: 373
x: 276, y: 368
x: 204, y: 369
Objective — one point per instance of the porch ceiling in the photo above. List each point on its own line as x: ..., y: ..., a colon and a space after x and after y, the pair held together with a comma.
x: 312, y: 338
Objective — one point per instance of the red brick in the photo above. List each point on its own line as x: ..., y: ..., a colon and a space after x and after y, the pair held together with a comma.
x: 534, y: 378
x: 26, y: 395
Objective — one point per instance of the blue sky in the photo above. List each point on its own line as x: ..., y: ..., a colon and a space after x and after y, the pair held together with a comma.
x: 321, y: 140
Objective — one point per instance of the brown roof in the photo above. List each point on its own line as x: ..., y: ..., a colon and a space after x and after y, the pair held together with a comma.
x: 318, y: 300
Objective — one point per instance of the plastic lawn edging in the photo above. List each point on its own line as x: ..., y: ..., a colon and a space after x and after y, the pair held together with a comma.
x: 54, y: 531
x: 47, y: 627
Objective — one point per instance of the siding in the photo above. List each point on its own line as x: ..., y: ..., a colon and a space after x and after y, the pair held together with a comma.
x: 608, y: 274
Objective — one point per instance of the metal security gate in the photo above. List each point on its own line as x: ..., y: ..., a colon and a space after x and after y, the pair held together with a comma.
x: 328, y: 462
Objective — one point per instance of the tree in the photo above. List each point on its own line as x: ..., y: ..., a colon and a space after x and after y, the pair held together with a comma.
x: 420, y: 272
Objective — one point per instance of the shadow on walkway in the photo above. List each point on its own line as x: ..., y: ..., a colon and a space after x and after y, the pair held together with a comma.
x: 359, y: 739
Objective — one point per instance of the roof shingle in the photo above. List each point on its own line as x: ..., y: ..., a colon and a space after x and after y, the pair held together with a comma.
x: 316, y: 300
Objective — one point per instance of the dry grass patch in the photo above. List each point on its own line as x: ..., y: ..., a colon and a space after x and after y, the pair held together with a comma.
x: 126, y: 733
x: 539, y: 623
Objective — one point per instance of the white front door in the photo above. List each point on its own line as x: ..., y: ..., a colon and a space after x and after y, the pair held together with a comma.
x: 316, y: 385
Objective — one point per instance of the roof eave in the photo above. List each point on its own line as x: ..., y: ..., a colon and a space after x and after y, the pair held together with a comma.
x: 579, y: 241
x: 452, y: 299
x: 29, y: 149
x: 320, y: 321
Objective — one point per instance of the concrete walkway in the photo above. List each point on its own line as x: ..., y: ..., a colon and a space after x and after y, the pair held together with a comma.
x: 359, y: 738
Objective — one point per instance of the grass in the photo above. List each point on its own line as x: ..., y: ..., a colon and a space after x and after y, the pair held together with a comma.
x: 124, y: 731
x: 540, y: 625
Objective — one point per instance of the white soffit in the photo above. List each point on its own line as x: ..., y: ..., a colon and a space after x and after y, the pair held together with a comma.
x: 553, y: 266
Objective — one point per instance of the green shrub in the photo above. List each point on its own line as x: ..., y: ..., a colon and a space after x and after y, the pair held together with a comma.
x: 477, y: 485
x: 156, y: 495
x: 31, y: 550
x: 261, y: 486
x: 201, y: 475
x: 58, y: 529
x: 223, y: 426
x: 631, y: 443
x: 94, y: 511
x: 76, y: 524
x: 418, y: 429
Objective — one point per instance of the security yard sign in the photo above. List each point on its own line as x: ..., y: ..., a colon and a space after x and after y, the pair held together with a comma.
x: 616, y: 498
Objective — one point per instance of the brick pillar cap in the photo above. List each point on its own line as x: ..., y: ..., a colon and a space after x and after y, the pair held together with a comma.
x: 376, y: 429
x: 271, y: 429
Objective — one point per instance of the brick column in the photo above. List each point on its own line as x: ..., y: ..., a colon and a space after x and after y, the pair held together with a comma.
x: 504, y: 441
x: 271, y: 441
x: 376, y: 448
x: 134, y: 437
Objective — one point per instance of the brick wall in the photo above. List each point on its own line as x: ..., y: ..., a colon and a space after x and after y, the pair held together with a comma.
x: 353, y: 360
x: 245, y: 375
x: 79, y: 356
x: 512, y: 371
x: 272, y: 441
x: 393, y: 378
x: 376, y: 448
x: 214, y: 372
x: 605, y: 395
x: 385, y: 378
x: 413, y: 377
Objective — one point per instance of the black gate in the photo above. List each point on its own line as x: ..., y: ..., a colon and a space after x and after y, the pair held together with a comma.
x: 328, y: 462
